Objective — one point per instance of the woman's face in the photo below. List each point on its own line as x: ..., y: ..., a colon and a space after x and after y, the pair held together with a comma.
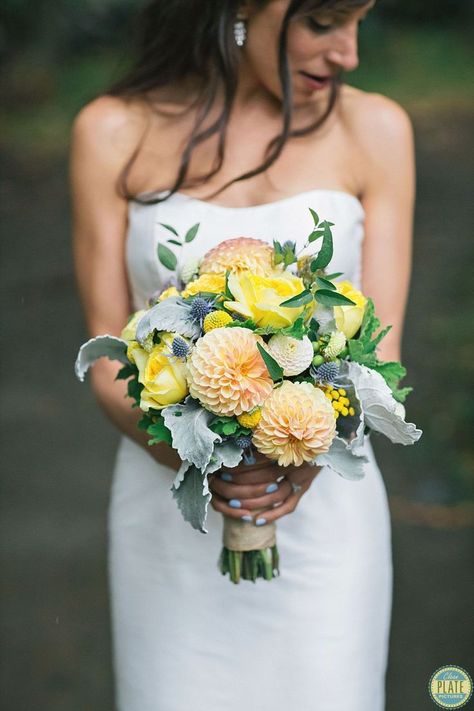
x: 321, y: 44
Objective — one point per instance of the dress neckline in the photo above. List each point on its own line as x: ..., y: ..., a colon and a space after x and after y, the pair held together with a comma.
x: 275, y: 203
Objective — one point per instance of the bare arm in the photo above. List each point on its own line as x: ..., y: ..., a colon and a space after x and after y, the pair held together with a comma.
x: 105, y: 134
x: 389, y: 201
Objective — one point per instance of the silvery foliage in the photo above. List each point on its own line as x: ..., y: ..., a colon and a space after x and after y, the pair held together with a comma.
x: 191, y: 487
x: 99, y: 347
x: 348, y: 462
x: 172, y: 314
x: 192, y: 496
x: 380, y: 409
x: 192, y: 438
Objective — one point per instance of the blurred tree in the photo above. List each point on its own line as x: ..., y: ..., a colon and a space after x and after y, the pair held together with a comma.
x: 56, y: 27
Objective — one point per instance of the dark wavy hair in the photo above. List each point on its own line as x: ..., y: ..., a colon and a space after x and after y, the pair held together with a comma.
x: 179, y: 39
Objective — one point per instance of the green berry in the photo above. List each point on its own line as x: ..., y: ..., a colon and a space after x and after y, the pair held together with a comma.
x: 318, y: 360
x: 344, y: 352
x: 316, y: 346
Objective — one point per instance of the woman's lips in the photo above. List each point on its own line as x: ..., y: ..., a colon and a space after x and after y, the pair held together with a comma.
x: 315, y: 82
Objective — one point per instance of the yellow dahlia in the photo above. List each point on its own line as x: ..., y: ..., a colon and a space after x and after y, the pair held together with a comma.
x: 212, y: 283
x: 239, y: 254
x: 297, y: 424
x: 226, y: 372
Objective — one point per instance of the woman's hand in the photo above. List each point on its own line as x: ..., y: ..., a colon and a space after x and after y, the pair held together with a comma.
x: 261, y: 492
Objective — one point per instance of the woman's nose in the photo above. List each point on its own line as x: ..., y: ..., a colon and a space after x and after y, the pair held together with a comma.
x: 343, y: 52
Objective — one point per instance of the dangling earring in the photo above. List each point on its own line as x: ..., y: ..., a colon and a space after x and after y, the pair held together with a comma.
x: 240, y: 32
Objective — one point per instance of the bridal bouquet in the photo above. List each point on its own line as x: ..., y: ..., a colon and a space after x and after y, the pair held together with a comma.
x: 256, y: 347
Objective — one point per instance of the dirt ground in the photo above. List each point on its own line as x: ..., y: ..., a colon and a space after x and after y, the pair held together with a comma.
x: 58, y: 450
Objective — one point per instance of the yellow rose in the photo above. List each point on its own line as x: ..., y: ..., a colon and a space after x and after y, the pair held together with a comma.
x: 213, y: 283
x: 349, y: 318
x: 128, y: 333
x: 163, y: 378
x: 259, y: 298
x: 170, y: 291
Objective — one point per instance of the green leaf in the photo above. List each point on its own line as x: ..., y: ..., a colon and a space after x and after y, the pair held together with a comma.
x: 227, y: 426
x: 334, y: 276
x: 167, y: 257
x: 296, y: 330
x: 191, y: 233
x: 327, y: 297
x: 159, y: 432
x: 175, y: 241
x: 227, y: 291
x: 168, y: 227
x: 315, y: 235
x: 126, y: 372
x: 326, y: 251
x: 315, y: 216
x: 248, y: 323
x: 401, y: 395
x: 325, y: 283
x: 275, y: 370
x: 301, y: 299
x: 134, y: 390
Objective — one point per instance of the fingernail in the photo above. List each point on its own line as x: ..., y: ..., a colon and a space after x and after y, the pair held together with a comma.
x: 271, y: 488
x: 225, y: 476
x: 278, y: 503
x: 235, y: 503
x: 246, y: 518
x: 260, y: 521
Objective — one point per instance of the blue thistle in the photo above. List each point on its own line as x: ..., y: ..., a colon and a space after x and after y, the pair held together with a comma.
x: 326, y: 373
x: 179, y: 347
x: 243, y: 441
x: 289, y: 245
x: 200, y: 308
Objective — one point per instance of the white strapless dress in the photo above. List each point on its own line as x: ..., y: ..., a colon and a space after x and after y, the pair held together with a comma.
x: 184, y: 637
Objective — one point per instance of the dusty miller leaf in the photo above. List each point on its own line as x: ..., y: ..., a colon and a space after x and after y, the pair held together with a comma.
x: 193, y: 496
x: 100, y: 347
x: 173, y: 315
x: 343, y: 460
x: 192, y: 437
x: 380, y: 409
x: 226, y: 454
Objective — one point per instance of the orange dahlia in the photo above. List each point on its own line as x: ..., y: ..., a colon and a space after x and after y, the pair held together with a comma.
x: 296, y: 425
x: 226, y: 372
x: 239, y: 254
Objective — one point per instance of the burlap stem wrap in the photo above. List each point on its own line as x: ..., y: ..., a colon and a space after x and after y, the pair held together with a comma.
x: 245, y: 536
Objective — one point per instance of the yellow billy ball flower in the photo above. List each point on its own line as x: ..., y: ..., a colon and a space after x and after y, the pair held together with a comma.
x: 216, y: 319
x: 250, y: 419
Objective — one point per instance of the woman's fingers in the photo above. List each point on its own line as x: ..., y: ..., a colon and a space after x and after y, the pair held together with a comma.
x: 230, y: 490
x: 250, y: 476
x: 222, y: 505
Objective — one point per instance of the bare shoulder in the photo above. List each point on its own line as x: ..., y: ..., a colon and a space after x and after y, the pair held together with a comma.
x: 110, y: 127
x: 376, y: 121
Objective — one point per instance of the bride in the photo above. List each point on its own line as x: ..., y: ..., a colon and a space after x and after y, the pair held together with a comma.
x: 235, y: 115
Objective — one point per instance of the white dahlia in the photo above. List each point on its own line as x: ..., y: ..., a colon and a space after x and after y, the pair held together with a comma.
x: 292, y: 354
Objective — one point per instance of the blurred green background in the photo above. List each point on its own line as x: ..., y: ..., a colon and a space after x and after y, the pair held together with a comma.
x: 58, y: 451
